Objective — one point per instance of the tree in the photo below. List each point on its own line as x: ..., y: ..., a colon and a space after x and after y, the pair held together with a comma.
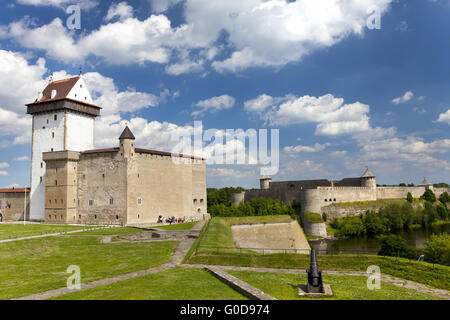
x: 437, y: 249
x: 429, y: 196
x: 442, y: 211
x: 395, y: 246
x: 402, y: 184
x: 444, y: 198
x: 441, y: 185
x: 409, y: 197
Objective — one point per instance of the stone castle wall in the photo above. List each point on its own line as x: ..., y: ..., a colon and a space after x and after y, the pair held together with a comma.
x: 12, y: 205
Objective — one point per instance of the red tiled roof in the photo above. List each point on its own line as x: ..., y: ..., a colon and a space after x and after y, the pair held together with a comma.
x: 14, y: 190
x: 62, y: 88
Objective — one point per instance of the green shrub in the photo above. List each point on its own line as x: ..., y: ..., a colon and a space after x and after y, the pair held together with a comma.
x: 442, y: 211
x: 395, y: 246
x: 444, y: 198
x: 437, y: 249
x: 409, y: 197
x: 254, y: 207
x: 313, y: 217
x: 429, y: 196
x: 221, y: 196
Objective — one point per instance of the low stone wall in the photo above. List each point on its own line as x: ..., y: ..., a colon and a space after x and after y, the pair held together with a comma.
x: 314, y: 229
x: 272, y: 237
x: 341, y: 212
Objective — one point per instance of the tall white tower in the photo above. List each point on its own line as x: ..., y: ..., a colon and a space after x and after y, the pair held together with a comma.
x: 63, y: 119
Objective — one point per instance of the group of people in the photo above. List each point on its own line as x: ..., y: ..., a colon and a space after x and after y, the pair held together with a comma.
x: 171, y: 220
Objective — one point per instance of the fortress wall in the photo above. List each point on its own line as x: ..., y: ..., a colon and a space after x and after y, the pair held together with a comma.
x: 399, y: 192
x: 439, y: 191
x: 165, y: 187
x: 12, y: 205
x: 92, y: 185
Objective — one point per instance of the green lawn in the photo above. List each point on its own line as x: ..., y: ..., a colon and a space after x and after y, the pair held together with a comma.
x: 112, y: 231
x: 32, y: 266
x: 369, y: 204
x: 284, y: 287
x: 172, y: 284
x: 12, y: 231
x: 313, y: 217
x: 437, y: 276
x: 218, y: 233
x: 178, y: 226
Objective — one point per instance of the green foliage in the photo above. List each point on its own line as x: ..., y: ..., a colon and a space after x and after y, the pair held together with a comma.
x: 254, y: 207
x: 313, y: 217
x: 441, y: 185
x: 444, y: 198
x: 221, y: 196
x: 390, y: 219
x: 409, y: 197
x: 395, y: 246
x: 429, y: 196
x: 437, y: 249
x: 402, y: 184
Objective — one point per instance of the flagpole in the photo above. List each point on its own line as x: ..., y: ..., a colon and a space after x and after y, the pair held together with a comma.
x: 25, y: 206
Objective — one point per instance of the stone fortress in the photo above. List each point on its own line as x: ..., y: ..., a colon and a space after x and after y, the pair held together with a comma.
x: 71, y: 182
x: 317, y: 195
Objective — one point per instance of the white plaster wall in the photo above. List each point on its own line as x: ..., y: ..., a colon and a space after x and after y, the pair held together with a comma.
x: 80, y: 92
x: 80, y: 132
x: 43, y: 127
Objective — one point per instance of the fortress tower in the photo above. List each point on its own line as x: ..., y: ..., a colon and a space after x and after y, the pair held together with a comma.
x: 368, y: 180
x: 63, y: 119
x: 264, y: 182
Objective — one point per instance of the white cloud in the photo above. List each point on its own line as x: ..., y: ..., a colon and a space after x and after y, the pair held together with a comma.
x: 20, y: 82
x: 16, y: 126
x: 260, y: 33
x: 316, y: 148
x: 3, y: 173
x: 24, y: 158
x: 214, y: 104
x: 405, y: 98
x: 444, y: 117
x: 63, y: 4
x: 332, y: 116
x: 120, y: 10
x: 341, y: 153
x: 4, y: 165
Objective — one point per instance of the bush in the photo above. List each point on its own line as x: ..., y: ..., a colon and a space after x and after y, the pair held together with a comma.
x: 444, y: 198
x: 429, y: 196
x: 313, y: 217
x: 437, y: 249
x: 221, y: 196
x: 442, y: 211
x: 395, y: 246
x: 409, y: 197
x: 254, y: 207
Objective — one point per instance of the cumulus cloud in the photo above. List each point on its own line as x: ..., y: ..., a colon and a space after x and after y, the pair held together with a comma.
x: 214, y: 104
x: 63, y: 4
x: 3, y: 173
x: 24, y: 158
x: 444, y: 117
x: 296, y: 149
x: 405, y: 98
x: 120, y: 10
x: 4, y: 165
x: 260, y: 33
x: 332, y: 116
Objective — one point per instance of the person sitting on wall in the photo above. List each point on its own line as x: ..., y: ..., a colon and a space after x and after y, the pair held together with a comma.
x: 160, y: 220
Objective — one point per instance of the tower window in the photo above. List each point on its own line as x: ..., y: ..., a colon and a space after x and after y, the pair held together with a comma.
x: 91, y: 203
x: 51, y: 150
x: 53, y: 135
x: 139, y: 201
x: 55, y: 117
x: 40, y: 179
x: 111, y: 201
x: 42, y: 165
x: 56, y: 182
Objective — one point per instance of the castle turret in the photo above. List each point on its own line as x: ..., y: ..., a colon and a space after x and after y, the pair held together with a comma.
x: 127, y: 143
x: 63, y: 120
x: 368, y: 179
x: 264, y: 182
x: 426, y: 184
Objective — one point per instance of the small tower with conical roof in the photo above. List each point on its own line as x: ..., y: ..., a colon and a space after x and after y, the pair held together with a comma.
x: 368, y: 179
x: 127, y: 143
x: 426, y: 184
x: 264, y: 182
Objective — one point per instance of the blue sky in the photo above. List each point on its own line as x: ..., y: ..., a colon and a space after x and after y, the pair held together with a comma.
x: 343, y: 96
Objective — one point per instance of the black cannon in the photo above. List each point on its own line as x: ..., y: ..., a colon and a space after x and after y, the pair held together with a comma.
x: 315, y: 284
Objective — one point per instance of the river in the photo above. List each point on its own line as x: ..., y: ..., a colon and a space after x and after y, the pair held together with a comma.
x: 416, y: 238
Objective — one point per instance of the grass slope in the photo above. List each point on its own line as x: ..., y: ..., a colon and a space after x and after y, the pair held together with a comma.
x: 172, y: 284
x: 218, y: 233
x: 11, y: 231
x: 284, y: 287
x: 178, y: 226
x: 38, y: 265
x: 434, y: 275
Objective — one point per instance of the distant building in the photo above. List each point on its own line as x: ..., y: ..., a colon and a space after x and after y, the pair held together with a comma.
x: 71, y: 182
x: 315, y: 195
x: 12, y: 204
